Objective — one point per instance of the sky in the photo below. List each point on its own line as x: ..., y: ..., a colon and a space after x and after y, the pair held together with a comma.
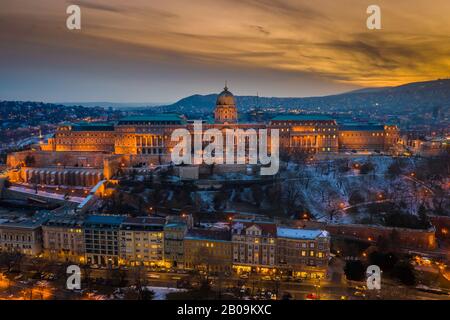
x: 164, y: 50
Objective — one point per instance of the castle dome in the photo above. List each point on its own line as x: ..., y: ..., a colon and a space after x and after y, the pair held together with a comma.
x: 225, y: 111
x: 225, y: 98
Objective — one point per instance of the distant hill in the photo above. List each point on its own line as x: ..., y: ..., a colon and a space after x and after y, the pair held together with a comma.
x: 114, y: 105
x: 413, y: 97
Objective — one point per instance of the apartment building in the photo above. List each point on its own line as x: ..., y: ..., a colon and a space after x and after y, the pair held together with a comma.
x: 254, y: 245
x: 303, y: 253
x: 142, y: 241
x: 174, y: 233
x: 101, y: 239
x: 208, y: 250
x: 22, y: 235
x: 63, y: 239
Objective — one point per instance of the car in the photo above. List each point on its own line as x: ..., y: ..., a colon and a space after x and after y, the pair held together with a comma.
x: 277, y: 278
x: 243, y: 276
x: 286, y: 278
x: 359, y: 294
x: 176, y: 278
x: 20, y: 276
x: 266, y: 278
x: 154, y: 276
x: 94, y: 266
x: 312, y: 296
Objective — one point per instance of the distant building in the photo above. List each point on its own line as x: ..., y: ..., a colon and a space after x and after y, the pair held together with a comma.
x: 303, y: 253
x: 174, y: 233
x: 428, y: 146
x: 22, y: 236
x: 254, y: 245
x: 225, y: 111
x: 101, y: 237
x: 63, y: 239
x: 84, y: 136
x: 308, y: 133
x: 142, y: 241
x: 208, y: 250
x: 367, y: 137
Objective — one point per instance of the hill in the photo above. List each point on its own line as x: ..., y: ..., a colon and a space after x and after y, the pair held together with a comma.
x: 413, y: 97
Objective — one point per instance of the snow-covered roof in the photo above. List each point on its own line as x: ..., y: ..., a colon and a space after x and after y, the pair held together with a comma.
x: 300, y: 233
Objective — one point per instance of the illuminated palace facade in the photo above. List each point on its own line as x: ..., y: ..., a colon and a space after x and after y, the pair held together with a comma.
x: 151, y: 135
x: 145, y: 140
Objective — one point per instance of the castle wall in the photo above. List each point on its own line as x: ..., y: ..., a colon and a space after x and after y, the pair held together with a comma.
x: 58, y: 159
x: 406, y: 238
x: 361, y: 140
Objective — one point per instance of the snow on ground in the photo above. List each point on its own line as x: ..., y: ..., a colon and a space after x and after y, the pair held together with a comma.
x: 323, y: 187
x: 206, y: 199
x: 45, y: 194
x: 161, y: 292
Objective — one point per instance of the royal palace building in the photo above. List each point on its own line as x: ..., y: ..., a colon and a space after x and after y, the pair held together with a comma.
x: 151, y: 135
x: 100, y: 149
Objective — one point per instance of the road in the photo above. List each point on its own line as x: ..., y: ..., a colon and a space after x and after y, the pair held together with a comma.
x: 298, y: 290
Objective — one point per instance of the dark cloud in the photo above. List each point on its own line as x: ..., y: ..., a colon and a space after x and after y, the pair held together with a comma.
x: 292, y: 9
x: 260, y: 29
x: 381, y: 52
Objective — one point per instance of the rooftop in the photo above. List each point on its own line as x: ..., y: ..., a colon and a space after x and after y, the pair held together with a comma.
x: 92, y: 126
x: 302, y: 117
x: 24, y: 223
x: 208, y: 234
x: 303, y: 234
x: 104, y: 220
x: 65, y: 221
x: 144, y: 224
x: 361, y: 127
x: 166, y: 117
x: 267, y: 228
